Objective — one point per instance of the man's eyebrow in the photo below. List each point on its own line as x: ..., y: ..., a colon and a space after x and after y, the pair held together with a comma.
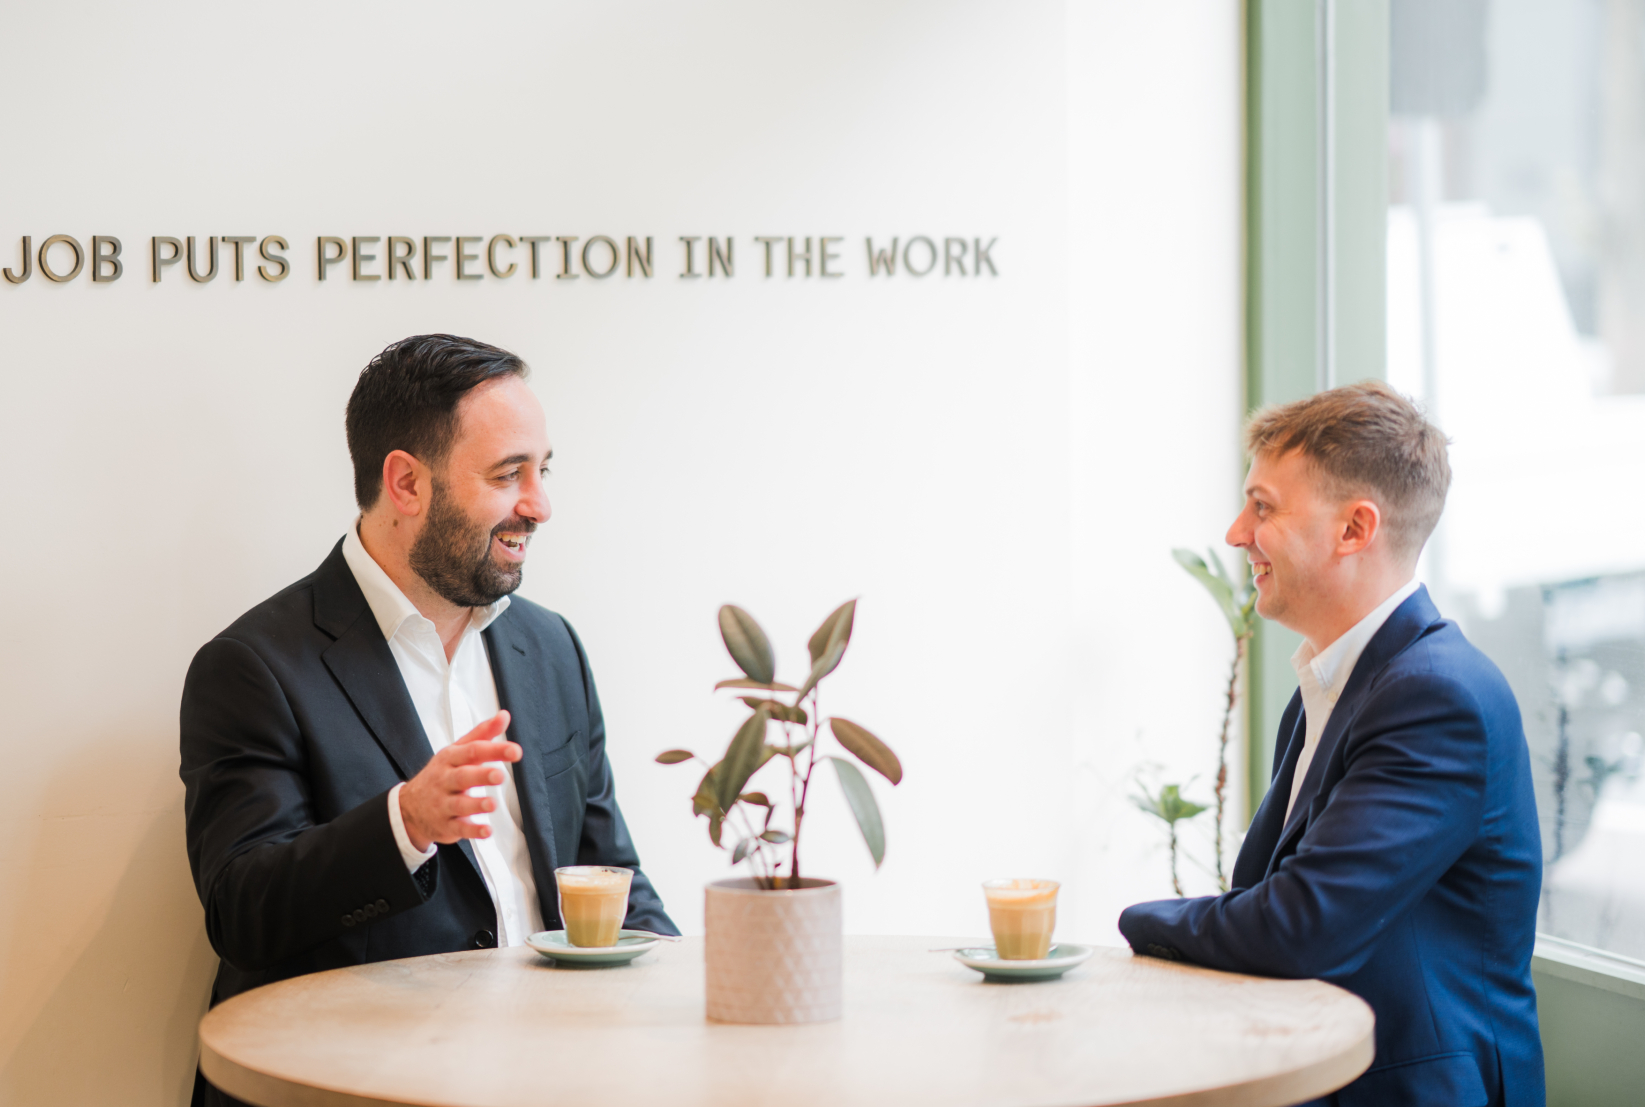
x: 517, y: 459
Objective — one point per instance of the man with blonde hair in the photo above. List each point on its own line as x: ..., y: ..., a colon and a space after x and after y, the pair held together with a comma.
x: 1396, y: 853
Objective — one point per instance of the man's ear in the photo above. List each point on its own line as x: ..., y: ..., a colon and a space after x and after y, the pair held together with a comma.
x: 1361, y: 521
x: 407, y: 483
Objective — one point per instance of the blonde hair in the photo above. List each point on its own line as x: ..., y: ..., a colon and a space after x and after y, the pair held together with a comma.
x: 1365, y: 440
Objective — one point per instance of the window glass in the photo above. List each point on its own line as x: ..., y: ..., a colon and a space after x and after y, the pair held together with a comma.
x: 1516, y: 312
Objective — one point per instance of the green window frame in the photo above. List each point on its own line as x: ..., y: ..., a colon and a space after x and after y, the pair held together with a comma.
x: 1316, y: 219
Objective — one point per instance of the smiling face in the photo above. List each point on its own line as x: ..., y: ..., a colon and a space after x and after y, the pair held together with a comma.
x: 487, y: 498
x: 1293, y: 534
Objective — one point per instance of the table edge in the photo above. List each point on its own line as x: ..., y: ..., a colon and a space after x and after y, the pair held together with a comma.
x: 1297, y: 1085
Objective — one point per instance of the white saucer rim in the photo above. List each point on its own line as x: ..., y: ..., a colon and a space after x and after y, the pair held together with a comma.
x: 1079, y: 954
x: 571, y: 952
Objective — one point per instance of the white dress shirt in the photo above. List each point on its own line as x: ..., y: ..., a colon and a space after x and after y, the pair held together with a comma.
x: 1322, y: 676
x: 451, y: 699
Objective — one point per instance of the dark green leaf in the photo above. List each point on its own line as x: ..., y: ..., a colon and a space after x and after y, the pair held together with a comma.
x: 747, y: 643
x: 706, y: 801
x: 777, y: 837
x: 824, y: 665
x: 867, y: 748
x: 674, y: 757
x: 835, y: 628
x: 756, y: 798
x: 744, y: 848
x: 745, y: 755
x: 861, y: 798
x: 744, y: 682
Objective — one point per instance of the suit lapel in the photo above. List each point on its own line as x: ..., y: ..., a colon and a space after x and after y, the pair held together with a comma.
x: 363, y: 664
x: 520, y: 692
x: 1263, y: 833
x: 365, y: 668
x: 1409, y: 621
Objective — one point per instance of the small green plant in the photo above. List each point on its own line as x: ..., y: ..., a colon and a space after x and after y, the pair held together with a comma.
x: 1169, y: 807
x: 1238, y: 601
x: 720, y: 796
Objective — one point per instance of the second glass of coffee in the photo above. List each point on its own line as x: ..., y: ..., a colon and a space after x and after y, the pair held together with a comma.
x: 1022, y: 913
x: 593, y: 902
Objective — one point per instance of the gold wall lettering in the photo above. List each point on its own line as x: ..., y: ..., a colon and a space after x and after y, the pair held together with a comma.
x: 61, y: 258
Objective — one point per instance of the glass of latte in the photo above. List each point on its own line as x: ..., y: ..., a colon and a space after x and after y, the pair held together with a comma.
x: 593, y: 902
x: 1022, y: 913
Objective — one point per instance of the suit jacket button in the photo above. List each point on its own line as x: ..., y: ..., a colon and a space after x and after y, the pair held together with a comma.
x: 348, y: 920
x: 359, y: 914
x: 484, y: 939
x: 382, y: 906
x: 371, y: 910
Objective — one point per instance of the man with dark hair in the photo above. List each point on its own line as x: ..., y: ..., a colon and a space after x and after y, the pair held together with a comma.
x: 1396, y: 853
x: 391, y: 756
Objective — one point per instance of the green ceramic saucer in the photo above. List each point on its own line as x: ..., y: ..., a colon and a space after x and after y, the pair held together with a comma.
x: 554, y: 945
x: 1063, y: 956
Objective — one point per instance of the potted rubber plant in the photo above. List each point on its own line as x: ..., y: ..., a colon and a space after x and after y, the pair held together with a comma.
x: 773, y: 938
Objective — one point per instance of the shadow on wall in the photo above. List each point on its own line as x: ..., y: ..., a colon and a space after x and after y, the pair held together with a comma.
x: 116, y: 1024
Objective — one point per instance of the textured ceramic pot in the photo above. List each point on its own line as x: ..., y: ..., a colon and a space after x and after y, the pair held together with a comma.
x: 773, y: 956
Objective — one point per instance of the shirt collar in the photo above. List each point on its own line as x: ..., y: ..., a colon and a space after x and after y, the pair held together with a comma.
x: 1332, y: 666
x: 388, y: 604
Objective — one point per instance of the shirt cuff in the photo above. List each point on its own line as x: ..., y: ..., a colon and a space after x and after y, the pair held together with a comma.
x: 408, y: 853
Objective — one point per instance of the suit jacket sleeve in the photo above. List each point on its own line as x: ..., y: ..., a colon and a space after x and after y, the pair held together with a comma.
x: 605, y: 838
x: 274, y: 882
x: 1408, y: 805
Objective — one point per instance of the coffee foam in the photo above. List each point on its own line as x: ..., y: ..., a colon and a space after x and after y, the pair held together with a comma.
x: 592, y: 881
x: 1020, y: 894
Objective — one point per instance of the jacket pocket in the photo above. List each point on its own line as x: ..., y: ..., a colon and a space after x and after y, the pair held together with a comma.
x: 558, y: 759
x: 1443, y: 1080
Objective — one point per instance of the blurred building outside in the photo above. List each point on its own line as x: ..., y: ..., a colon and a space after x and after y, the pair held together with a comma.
x: 1516, y: 313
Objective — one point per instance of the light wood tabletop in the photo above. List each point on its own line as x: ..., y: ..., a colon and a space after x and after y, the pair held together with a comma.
x: 505, y: 1028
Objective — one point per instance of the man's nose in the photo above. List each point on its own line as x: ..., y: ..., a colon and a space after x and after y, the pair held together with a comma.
x: 1239, y: 533
x: 534, y: 501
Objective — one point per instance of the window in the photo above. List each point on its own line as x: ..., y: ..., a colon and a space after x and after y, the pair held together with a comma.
x: 1516, y: 311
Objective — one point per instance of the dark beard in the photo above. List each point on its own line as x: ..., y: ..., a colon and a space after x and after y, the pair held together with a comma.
x: 453, y: 554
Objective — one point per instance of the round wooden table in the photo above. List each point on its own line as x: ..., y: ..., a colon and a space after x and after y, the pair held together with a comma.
x: 500, y: 1028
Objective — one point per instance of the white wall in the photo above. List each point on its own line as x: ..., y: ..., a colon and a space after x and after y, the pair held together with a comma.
x: 998, y: 467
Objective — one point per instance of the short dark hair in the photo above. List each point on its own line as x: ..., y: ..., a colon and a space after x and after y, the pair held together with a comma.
x: 407, y: 397
x: 1365, y: 439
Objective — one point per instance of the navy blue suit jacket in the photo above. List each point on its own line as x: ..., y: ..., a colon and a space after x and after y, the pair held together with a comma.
x: 1408, y: 873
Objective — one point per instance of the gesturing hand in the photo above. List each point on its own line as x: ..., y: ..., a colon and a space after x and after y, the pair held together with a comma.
x: 435, y: 803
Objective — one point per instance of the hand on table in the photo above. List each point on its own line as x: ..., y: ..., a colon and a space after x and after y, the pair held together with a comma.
x: 435, y: 804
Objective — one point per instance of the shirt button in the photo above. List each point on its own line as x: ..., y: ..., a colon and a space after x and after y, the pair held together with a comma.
x: 484, y: 939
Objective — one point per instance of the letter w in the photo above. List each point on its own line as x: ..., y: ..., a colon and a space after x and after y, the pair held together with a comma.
x: 886, y: 258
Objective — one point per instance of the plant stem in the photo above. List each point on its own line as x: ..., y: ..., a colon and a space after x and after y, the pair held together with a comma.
x: 1222, y: 754
x: 1176, y: 883
x: 793, y: 798
x: 805, y: 790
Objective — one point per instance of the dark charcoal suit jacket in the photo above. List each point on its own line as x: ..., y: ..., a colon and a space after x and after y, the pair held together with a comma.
x: 1408, y: 873
x: 295, y: 725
